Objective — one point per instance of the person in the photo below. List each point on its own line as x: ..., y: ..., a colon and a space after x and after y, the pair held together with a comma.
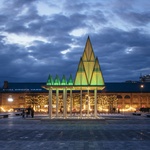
x: 32, y: 112
x: 114, y: 109
x: 28, y: 110
x: 23, y: 113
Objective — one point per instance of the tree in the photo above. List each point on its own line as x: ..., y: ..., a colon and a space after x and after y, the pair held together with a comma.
x: 30, y: 99
x: 112, y: 101
x: 108, y: 102
x: 35, y: 100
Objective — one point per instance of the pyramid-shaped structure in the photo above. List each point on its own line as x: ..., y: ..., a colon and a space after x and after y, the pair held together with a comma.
x: 89, y: 72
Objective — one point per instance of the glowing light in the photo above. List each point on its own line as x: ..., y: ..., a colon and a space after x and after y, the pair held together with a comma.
x: 128, y: 109
x: 10, y: 99
x: 89, y: 72
x: 2, y: 109
x: 10, y: 110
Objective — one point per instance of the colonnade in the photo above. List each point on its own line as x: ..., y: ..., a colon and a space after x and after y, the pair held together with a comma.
x: 56, y: 115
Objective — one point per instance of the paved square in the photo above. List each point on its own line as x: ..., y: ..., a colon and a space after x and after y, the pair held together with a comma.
x: 117, y: 133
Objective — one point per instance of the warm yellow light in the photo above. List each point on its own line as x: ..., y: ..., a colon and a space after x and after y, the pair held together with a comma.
x: 84, y: 106
x: 10, y: 110
x: 128, y: 109
x: 2, y: 109
x: 45, y: 106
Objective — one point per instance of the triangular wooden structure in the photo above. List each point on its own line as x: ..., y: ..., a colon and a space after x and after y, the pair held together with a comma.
x: 89, y: 72
x: 81, y: 78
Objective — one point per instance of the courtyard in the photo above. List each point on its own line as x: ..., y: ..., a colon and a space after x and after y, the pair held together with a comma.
x: 120, y: 131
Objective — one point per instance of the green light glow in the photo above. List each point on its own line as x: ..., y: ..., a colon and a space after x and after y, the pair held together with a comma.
x: 63, y: 81
x: 50, y: 80
x: 70, y: 81
x: 57, y: 80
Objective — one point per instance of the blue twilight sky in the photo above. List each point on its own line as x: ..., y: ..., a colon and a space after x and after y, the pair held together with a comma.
x: 42, y: 37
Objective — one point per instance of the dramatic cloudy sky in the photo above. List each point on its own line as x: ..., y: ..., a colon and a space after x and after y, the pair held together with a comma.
x: 42, y: 37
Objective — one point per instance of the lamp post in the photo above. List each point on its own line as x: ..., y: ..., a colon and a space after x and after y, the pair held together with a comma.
x: 10, y: 99
x: 141, y: 87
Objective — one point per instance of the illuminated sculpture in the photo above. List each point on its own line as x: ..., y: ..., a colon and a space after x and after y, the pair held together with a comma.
x: 88, y: 77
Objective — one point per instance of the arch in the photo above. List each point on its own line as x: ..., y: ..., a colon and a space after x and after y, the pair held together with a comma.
x: 127, y: 97
x: 119, y: 96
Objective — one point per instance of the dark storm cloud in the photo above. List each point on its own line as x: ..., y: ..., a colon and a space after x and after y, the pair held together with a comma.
x: 46, y: 50
x: 120, y: 52
x: 76, y: 6
x: 123, y: 54
x: 136, y: 18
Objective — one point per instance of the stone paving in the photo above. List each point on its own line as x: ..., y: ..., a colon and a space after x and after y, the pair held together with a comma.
x: 111, y: 132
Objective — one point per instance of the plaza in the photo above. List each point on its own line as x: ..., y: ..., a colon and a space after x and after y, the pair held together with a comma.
x: 112, y: 131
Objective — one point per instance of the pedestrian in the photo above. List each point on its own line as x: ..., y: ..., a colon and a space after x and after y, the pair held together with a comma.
x: 32, y: 112
x: 23, y: 113
x: 28, y: 111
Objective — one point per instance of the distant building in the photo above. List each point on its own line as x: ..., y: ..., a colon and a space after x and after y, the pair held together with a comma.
x: 145, y: 78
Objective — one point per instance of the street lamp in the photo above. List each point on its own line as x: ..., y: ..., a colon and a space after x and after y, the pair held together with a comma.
x: 141, y: 87
x: 10, y: 99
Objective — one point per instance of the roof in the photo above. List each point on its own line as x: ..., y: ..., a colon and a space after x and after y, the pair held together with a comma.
x: 127, y: 87
x: 24, y: 87
x: 110, y: 87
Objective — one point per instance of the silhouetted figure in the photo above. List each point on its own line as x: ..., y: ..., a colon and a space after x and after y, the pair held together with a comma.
x: 28, y: 110
x: 32, y: 112
x: 61, y: 111
x: 114, y: 109
x: 23, y: 113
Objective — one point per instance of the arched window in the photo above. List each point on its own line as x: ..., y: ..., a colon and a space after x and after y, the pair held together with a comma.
x: 127, y: 97
x: 119, y: 96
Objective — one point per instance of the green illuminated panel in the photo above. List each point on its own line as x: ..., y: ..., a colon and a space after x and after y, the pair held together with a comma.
x: 57, y: 80
x: 97, y: 78
x: 70, y: 81
x: 50, y: 80
x: 63, y: 81
x: 81, y: 78
x: 89, y: 66
x: 89, y: 72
